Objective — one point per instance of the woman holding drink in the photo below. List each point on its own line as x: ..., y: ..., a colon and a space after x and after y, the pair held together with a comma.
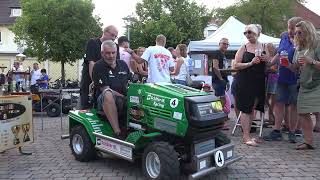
x: 306, y: 62
x: 250, y: 87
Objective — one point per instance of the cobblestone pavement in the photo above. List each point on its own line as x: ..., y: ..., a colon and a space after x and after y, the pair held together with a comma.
x: 52, y: 159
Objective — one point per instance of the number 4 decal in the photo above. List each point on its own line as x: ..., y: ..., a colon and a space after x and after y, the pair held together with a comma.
x: 174, y: 102
x: 219, y: 158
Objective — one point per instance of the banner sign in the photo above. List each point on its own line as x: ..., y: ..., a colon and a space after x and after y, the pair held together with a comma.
x: 16, y: 125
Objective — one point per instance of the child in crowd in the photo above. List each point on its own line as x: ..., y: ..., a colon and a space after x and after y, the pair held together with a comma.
x: 44, y: 80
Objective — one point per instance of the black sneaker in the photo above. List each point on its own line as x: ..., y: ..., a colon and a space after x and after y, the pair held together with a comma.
x: 298, y: 132
x: 292, y: 137
x: 285, y: 130
x: 273, y: 136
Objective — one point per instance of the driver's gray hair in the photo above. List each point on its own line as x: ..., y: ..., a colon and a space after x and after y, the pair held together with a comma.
x: 108, y: 43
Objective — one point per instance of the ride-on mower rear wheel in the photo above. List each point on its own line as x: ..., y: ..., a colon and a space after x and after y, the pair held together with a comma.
x: 81, y: 145
x: 53, y: 110
x: 160, y: 162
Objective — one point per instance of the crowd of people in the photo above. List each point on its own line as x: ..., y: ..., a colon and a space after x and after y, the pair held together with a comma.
x: 286, y: 78
x: 18, y: 82
x: 288, y: 89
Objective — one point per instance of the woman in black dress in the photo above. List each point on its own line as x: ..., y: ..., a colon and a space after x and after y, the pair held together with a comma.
x: 250, y: 88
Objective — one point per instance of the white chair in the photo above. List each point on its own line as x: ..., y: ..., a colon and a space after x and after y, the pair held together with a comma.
x: 259, y: 125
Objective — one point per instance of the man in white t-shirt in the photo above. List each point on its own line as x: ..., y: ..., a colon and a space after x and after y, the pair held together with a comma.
x: 35, y: 75
x: 159, y: 59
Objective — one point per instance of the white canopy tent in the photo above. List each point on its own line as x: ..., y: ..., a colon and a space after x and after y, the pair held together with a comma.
x: 233, y: 30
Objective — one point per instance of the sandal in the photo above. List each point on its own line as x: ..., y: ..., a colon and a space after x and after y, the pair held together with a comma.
x: 257, y: 140
x: 250, y: 143
x: 304, y: 146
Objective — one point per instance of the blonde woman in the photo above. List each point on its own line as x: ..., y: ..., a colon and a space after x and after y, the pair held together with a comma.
x: 306, y: 60
x: 181, y: 68
x: 250, y: 86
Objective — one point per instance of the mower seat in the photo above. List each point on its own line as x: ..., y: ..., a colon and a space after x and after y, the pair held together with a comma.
x: 197, y: 84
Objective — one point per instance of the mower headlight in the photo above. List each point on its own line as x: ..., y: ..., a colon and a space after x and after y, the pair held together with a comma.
x: 209, y: 108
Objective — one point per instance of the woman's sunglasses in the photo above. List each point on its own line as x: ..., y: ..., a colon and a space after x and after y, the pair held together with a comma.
x: 247, y: 32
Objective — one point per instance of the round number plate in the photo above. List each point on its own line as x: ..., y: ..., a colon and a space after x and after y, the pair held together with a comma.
x: 219, y: 158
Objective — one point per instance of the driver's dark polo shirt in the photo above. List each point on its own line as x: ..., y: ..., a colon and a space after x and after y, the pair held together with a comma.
x: 116, y: 79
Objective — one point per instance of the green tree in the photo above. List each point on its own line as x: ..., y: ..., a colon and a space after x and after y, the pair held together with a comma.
x: 271, y: 14
x: 56, y: 30
x: 179, y: 20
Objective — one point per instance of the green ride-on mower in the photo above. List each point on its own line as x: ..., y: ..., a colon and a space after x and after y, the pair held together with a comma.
x: 172, y: 128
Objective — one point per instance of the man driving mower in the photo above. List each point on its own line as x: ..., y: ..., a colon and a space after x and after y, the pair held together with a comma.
x: 110, y: 77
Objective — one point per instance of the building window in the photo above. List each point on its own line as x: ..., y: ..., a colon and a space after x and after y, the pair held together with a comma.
x: 0, y: 38
x: 15, y: 12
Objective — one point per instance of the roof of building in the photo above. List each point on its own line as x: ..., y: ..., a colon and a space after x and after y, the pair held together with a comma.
x: 5, y: 11
x: 302, y: 11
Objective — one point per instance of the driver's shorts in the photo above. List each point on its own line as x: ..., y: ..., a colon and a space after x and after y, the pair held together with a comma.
x: 100, y: 99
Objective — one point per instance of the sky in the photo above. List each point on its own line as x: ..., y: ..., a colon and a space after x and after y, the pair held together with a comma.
x: 112, y: 13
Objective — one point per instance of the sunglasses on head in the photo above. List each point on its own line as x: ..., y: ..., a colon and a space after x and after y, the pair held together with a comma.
x: 247, y: 32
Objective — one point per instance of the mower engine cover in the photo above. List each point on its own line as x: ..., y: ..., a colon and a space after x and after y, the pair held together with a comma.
x: 171, y: 108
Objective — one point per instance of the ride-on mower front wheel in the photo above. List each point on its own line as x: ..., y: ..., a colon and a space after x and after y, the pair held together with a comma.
x: 81, y: 146
x: 160, y: 162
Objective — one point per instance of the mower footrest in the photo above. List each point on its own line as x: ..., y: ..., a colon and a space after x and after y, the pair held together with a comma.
x: 114, y: 146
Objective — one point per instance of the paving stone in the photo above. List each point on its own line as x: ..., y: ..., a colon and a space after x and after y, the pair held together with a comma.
x: 52, y: 159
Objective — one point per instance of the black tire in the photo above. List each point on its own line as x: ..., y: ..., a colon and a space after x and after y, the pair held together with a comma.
x: 221, y: 139
x: 66, y: 106
x: 169, y: 162
x: 53, y: 110
x: 88, y: 152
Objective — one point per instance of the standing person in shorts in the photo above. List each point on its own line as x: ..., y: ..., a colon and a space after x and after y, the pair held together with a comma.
x: 287, y: 88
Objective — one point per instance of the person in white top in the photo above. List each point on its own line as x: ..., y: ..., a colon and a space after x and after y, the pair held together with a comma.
x: 181, y: 68
x: 123, y: 43
x: 17, y: 67
x: 35, y: 75
x: 160, y: 61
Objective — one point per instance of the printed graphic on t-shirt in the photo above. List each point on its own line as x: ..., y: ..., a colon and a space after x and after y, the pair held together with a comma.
x: 162, y: 64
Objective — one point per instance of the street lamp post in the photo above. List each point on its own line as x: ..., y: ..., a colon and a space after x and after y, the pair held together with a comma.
x: 127, y: 20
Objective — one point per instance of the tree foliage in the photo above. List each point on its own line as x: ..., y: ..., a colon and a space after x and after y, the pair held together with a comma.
x: 179, y: 20
x: 56, y: 30
x: 271, y: 14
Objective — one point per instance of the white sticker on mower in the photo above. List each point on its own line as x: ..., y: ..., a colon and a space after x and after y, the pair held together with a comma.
x: 115, y: 148
x: 177, y: 115
x: 174, y: 102
x: 134, y: 99
x: 203, y: 164
x: 89, y: 114
x: 219, y: 158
